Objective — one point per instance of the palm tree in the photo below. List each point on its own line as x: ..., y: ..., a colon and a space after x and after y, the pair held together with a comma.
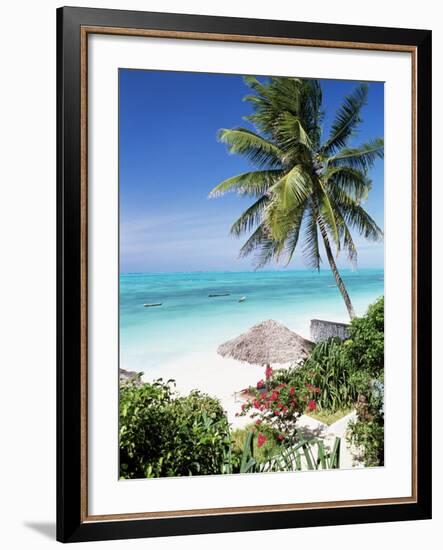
x: 305, y: 188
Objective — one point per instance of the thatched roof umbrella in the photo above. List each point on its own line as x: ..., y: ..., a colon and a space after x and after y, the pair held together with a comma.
x: 266, y: 343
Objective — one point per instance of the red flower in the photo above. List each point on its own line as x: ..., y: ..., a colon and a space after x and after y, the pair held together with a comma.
x: 292, y: 391
x: 280, y: 437
x: 261, y: 440
x: 274, y: 396
x: 268, y: 372
x: 258, y: 422
x: 256, y: 403
x: 312, y: 405
x: 285, y: 410
x: 280, y: 405
x: 260, y: 384
x: 277, y: 413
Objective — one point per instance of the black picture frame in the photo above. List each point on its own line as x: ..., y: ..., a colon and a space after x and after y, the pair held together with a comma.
x: 71, y: 524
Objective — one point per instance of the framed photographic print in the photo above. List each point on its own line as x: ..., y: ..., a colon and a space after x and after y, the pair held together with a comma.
x: 244, y: 274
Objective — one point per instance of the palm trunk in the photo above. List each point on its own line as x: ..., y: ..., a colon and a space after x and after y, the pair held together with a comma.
x: 337, y: 276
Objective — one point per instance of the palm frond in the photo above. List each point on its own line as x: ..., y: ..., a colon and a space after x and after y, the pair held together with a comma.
x: 293, y: 188
x: 311, y: 249
x: 359, y: 158
x: 257, y: 149
x: 351, y: 180
x: 286, y: 197
x: 260, y: 243
x: 290, y: 132
x: 346, y: 120
x: 249, y: 183
x: 325, y: 212
x: 357, y: 217
x: 292, y: 238
x: 345, y: 236
x: 250, y: 217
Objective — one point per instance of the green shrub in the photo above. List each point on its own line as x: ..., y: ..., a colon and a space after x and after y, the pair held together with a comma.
x: 162, y: 434
x: 345, y: 369
x: 367, y: 432
x: 365, y: 347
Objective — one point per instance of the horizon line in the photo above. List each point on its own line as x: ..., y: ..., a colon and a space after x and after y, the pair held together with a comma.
x: 313, y: 271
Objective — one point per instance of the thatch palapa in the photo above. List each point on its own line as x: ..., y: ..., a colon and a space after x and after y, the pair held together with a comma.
x: 265, y: 343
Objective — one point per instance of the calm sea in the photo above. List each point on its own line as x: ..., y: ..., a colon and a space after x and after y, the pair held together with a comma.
x: 189, y: 321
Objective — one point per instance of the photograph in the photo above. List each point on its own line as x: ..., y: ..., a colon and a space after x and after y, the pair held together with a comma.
x: 251, y: 274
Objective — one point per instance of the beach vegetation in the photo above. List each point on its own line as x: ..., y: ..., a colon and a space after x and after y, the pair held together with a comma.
x: 366, y: 433
x: 260, y: 452
x: 343, y: 370
x: 338, y: 377
x: 308, y: 190
x: 295, y: 455
x: 163, y: 434
x: 276, y: 406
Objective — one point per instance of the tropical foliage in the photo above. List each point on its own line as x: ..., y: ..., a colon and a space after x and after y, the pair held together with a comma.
x: 162, y: 434
x: 299, y: 455
x: 276, y: 406
x: 343, y: 370
x: 338, y: 375
x: 308, y: 190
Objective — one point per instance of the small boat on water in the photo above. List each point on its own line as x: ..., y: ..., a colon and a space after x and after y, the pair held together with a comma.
x: 217, y: 295
x: 153, y: 305
x: 242, y: 299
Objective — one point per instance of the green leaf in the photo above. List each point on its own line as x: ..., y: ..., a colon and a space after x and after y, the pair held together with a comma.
x: 346, y: 120
x: 257, y: 149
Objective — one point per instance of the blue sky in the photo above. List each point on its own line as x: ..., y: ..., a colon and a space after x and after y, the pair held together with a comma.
x: 170, y: 159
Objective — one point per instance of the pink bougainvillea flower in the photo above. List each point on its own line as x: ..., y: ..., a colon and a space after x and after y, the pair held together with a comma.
x: 274, y: 396
x: 312, y: 405
x: 268, y: 372
x: 261, y: 440
x: 260, y: 384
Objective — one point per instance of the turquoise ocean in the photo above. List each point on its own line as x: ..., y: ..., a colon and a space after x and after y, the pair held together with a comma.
x: 188, y: 321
